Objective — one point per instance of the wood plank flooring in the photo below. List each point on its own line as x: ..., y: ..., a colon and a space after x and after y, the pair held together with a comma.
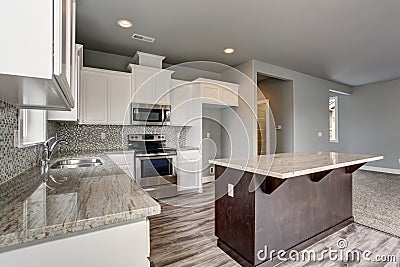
x: 183, y: 235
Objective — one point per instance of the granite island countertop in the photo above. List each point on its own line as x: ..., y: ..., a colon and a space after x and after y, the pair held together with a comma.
x: 288, y: 165
x: 70, y: 201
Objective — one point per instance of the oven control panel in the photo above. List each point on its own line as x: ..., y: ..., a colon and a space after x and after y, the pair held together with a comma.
x: 145, y: 137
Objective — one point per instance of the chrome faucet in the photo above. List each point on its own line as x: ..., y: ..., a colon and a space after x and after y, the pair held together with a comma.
x: 48, y: 150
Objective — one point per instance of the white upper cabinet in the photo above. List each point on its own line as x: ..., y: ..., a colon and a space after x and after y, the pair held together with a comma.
x: 119, y: 96
x: 143, y: 86
x: 94, y: 96
x: 184, y: 105
x: 72, y: 115
x: 105, y: 97
x: 37, y: 52
x: 217, y: 92
x: 150, y: 85
x: 162, y: 87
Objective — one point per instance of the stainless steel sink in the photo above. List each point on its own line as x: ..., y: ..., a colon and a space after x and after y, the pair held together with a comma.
x: 76, y: 163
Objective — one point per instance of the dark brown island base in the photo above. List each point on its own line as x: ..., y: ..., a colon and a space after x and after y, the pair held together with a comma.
x: 282, y: 202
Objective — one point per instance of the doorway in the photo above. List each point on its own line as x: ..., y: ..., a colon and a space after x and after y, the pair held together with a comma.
x: 275, y: 114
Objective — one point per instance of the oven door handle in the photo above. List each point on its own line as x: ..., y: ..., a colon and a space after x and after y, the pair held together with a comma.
x: 169, y: 156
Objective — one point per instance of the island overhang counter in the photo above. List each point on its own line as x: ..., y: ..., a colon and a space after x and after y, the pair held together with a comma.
x: 284, y: 201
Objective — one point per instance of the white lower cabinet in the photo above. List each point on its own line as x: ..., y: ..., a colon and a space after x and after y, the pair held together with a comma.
x: 105, y: 97
x: 123, y: 246
x: 188, y: 171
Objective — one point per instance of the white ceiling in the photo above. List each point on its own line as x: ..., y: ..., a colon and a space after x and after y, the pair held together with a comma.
x: 349, y: 41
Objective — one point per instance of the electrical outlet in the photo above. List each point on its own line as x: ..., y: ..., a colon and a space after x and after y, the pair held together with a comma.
x: 16, y: 138
x: 103, y: 136
x: 230, y: 190
x: 212, y: 170
x: 208, y: 135
x: 319, y: 134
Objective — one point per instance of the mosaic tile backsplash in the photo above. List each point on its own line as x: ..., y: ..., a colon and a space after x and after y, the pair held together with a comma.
x: 83, y: 138
x: 13, y: 160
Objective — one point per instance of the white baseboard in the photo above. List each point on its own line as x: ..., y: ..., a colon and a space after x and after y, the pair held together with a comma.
x: 380, y: 169
x: 207, y: 179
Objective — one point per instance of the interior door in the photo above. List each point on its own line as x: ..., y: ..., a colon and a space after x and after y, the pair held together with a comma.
x: 263, y: 127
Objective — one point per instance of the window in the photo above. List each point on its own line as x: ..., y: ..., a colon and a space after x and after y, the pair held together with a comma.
x: 333, y: 119
x: 31, y: 127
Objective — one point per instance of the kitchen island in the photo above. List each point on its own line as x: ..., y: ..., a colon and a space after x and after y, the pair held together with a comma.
x: 88, y: 216
x: 282, y: 201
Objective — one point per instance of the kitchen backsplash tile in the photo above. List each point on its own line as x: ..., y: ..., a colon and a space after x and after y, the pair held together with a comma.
x: 89, y: 137
x: 13, y: 160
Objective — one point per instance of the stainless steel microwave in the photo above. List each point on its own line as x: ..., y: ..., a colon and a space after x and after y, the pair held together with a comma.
x: 148, y: 114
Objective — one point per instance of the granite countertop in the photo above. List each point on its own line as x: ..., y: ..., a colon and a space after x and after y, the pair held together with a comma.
x: 185, y: 148
x: 288, y: 165
x: 77, y: 199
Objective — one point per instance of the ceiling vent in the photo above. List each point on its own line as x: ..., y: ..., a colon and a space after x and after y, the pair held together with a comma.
x: 143, y: 38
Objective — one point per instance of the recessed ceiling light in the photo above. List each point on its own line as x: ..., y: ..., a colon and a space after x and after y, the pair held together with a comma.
x: 229, y: 50
x: 125, y: 23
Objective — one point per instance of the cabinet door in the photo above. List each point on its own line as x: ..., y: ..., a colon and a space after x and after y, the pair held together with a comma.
x: 119, y: 98
x: 210, y: 93
x: 33, y: 35
x: 144, y: 87
x: 228, y: 96
x: 94, y: 98
x: 162, y: 88
x: 71, y: 115
x: 183, y: 108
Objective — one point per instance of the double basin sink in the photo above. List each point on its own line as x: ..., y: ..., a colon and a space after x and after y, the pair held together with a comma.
x: 76, y: 163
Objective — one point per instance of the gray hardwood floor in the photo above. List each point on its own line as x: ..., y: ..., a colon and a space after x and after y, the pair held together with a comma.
x: 183, y: 235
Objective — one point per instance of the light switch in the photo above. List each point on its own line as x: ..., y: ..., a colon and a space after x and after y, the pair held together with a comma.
x: 319, y: 134
x: 230, y: 190
x: 208, y: 135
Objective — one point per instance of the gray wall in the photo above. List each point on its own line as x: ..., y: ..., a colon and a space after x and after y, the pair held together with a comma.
x: 186, y: 71
x: 280, y: 95
x: 310, y: 106
x: 211, y: 147
x: 240, y: 139
x: 369, y: 122
x: 190, y: 71
x: 101, y: 60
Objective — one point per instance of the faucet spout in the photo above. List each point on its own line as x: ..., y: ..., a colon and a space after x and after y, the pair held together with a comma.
x: 58, y: 142
x: 48, y: 150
